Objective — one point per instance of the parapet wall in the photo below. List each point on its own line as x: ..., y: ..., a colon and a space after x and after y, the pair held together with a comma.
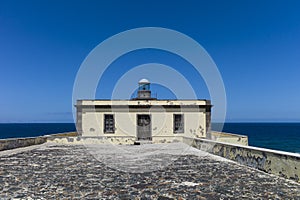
x: 229, y: 138
x: 280, y: 163
x: 116, y: 140
x: 12, y: 143
x: 6, y: 144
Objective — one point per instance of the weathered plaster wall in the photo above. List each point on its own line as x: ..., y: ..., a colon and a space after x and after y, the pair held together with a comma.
x: 13, y: 143
x: 280, y: 163
x: 116, y: 140
x: 166, y: 139
x: 93, y: 124
x: 195, y: 124
x: 161, y: 124
x: 229, y: 138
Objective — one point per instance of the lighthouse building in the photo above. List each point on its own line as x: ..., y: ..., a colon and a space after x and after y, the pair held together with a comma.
x: 144, y: 118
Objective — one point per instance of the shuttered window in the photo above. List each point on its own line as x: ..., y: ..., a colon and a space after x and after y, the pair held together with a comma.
x: 109, y: 123
x: 178, y: 123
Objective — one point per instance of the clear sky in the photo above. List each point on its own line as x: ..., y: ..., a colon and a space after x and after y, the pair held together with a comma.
x: 255, y: 44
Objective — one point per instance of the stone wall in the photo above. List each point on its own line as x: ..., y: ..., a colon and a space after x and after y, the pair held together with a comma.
x: 280, y: 163
x: 12, y: 143
x: 166, y: 139
x: 116, y: 140
x: 64, y: 134
x: 229, y: 138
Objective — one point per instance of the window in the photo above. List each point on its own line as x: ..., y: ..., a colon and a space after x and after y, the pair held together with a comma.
x: 109, y: 124
x: 178, y: 123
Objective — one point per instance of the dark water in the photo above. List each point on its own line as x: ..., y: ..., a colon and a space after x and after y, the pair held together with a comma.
x: 33, y: 129
x: 279, y: 136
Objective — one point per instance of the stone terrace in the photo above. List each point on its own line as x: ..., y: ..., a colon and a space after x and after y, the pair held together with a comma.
x: 150, y: 171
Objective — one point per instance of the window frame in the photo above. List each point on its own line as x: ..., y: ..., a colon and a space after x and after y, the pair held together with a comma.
x: 175, y: 124
x: 106, y: 129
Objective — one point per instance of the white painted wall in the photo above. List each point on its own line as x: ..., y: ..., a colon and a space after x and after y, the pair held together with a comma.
x: 162, y: 124
x: 195, y: 124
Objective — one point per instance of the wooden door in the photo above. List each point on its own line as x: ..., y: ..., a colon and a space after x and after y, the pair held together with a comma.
x: 144, y: 127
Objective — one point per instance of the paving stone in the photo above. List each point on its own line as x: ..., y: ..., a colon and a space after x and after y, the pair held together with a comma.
x: 162, y: 172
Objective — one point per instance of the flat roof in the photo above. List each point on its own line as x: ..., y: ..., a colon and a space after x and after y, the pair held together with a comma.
x: 144, y: 102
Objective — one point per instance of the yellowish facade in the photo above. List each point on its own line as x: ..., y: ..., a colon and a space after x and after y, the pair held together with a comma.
x: 195, y: 116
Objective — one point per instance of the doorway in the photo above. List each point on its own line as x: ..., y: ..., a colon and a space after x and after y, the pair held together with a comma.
x: 144, y: 127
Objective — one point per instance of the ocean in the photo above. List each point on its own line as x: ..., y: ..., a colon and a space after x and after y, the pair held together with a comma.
x: 12, y: 130
x: 278, y: 136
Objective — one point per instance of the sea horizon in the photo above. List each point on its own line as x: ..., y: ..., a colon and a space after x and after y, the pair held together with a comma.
x: 283, y: 136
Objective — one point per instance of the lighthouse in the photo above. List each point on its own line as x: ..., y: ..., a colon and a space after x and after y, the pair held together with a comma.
x: 144, y: 91
x: 144, y: 118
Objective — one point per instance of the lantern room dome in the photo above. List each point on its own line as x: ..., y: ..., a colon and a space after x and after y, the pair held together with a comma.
x: 144, y: 81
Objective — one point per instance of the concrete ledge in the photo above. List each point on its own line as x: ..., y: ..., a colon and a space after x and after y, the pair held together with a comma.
x: 12, y: 143
x: 280, y: 163
x: 64, y: 134
x: 166, y: 139
x: 111, y: 139
x: 229, y: 138
x: 93, y: 140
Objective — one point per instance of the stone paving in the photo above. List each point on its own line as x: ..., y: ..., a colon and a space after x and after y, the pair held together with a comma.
x: 175, y: 171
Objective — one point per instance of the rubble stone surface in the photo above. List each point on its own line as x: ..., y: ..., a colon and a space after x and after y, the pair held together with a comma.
x: 174, y: 171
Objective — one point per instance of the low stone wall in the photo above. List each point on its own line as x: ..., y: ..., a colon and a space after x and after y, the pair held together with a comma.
x: 280, y: 163
x: 12, y: 143
x: 93, y: 140
x: 111, y: 139
x: 166, y: 139
x: 229, y: 138
x: 64, y: 134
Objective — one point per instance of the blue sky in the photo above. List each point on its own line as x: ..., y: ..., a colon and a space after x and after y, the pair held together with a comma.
x: 255, y: 45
